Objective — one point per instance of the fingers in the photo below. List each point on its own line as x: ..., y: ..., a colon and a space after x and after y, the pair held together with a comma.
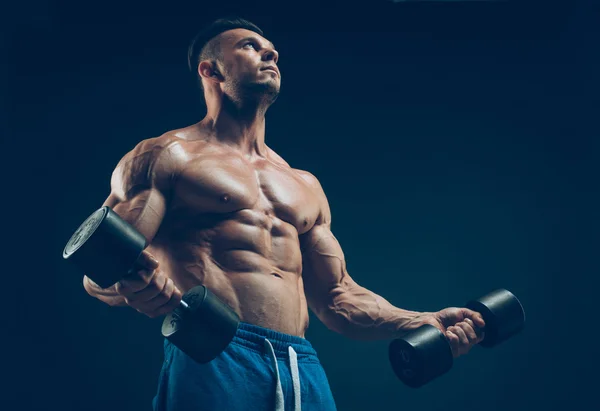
x: 147, y: 261
x: 452, y: 315
x: 468, y: 328
x: 477, y: 334
x: 159, y: 298
x: 459, y: 343
x: 135, y: 282
x: 460, y: 333
x: 463, y: 336
x: 463, y: 328
x: 477, y: 323
x: 171, y: 304
x: 153, y: 289
x: 151, y: 293
x: 474, y: 316
x: 454, y: 342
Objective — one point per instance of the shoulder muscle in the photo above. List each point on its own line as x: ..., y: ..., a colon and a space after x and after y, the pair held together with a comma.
x: 151, y: 164
x: 317, y: 189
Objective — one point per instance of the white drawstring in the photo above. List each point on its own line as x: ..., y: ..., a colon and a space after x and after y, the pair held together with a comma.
x: 279, y: 400
x: 295, y: 377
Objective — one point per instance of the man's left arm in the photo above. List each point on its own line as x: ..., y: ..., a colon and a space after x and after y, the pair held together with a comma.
x: 356, y: 312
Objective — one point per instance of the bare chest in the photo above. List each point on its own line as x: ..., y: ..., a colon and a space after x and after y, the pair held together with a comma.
x: 229, y: 183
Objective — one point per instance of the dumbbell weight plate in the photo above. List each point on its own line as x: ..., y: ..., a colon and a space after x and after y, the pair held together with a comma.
x: 105, y: 247
x: 204, y: 329
x: 420, y: 356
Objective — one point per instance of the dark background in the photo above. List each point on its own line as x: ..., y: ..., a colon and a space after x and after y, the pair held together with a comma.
x: 457, y: 144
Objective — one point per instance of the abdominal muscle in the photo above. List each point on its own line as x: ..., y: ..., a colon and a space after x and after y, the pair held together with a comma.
x: 253, y: 269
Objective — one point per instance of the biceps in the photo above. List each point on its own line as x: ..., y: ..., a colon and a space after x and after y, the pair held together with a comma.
x: 324, y: 269
x: 144, y: 211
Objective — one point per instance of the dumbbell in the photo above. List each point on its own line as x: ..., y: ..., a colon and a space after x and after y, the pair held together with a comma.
x: 106, y: 248
x: 425, y: 353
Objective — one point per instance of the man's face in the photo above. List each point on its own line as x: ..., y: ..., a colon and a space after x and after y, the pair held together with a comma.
x: 249, y: 63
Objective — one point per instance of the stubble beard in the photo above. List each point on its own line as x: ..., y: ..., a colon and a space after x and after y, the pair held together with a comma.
x: 262, y: 94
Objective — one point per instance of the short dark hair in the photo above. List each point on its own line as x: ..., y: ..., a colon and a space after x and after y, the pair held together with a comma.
x: 204, y: 46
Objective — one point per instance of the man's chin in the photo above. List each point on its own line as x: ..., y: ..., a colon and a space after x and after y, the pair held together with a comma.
x: 267, y: 90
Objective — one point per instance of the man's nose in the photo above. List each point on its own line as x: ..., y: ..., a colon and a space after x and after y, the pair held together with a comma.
x: 271, y: 54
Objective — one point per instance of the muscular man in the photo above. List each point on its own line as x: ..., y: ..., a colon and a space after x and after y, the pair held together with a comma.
x: 220, y: 208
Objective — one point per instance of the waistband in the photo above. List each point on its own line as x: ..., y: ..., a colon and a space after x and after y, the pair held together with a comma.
x: 253, y: 337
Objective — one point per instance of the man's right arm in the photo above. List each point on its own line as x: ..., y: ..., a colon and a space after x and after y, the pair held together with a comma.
x: 138, y: 187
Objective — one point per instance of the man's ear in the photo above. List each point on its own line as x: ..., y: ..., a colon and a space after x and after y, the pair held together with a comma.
x: 209, y: 71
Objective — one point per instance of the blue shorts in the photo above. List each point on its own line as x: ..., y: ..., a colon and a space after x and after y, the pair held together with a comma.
x: 260, y: 370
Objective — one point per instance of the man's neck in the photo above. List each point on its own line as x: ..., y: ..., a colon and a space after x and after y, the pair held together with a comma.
x: 241, y: 127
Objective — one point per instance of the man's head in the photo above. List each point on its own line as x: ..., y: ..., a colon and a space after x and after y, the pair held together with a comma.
x: 232, y: 57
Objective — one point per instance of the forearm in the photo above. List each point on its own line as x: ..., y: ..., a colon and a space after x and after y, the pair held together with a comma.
x: 360, y: 314
x: 106, y: 295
